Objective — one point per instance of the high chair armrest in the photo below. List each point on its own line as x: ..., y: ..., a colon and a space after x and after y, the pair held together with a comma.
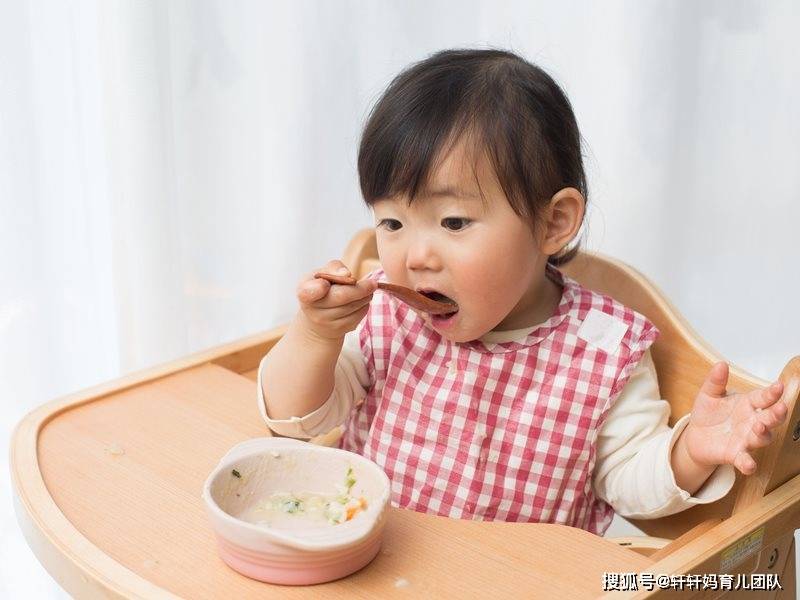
x: 758, y: 539
x: 645, y: 545
x: 684, y: 539
x: 657, y: 547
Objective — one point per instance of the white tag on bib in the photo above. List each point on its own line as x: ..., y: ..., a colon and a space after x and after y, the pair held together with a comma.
x: 602, y: 331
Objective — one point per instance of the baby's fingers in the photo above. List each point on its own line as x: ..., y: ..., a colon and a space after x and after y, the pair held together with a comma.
x: 758, y: 436
x: 345, y: 310
x: 745, y: 463
x: 312, y: 290
x: 340, y: 295
x: 773, y: 416
x: 336, y: 267
x: 767, y: 396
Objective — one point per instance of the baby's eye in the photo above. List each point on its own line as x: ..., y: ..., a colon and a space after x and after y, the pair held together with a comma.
x: 390, y: 224
x: 455, y: 223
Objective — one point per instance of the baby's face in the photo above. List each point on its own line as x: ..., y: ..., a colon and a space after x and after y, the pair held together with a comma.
x: 475, y: 251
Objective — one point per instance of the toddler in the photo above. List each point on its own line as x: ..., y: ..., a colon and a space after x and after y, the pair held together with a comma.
x: 536, y: 400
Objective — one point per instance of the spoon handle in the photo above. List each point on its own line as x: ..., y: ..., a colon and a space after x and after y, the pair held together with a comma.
x: 340, y: 279
x: 407, y: 295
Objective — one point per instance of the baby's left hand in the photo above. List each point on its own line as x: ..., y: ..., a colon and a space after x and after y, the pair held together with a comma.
x: 723, y: 429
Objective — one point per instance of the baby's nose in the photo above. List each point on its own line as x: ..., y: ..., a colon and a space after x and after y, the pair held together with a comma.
x: 421, y: 254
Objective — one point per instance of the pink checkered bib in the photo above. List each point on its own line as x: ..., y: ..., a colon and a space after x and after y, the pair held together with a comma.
x: 488, y: 431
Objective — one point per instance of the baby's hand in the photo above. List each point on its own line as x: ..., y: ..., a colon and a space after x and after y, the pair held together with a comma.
x: 329, y: 310
x: 723, y: 429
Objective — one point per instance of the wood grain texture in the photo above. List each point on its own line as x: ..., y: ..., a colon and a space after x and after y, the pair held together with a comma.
x: 126, y: 472
x: 681, y: 541
x: 778, y: 513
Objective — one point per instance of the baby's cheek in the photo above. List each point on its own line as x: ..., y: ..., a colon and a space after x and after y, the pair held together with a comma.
x: 394, y: 272
x: 489, y: 287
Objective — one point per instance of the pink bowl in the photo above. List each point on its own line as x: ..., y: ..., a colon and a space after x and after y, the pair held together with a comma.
x: 308, y: 555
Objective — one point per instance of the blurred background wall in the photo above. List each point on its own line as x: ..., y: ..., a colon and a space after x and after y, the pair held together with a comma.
x: 170, y: 169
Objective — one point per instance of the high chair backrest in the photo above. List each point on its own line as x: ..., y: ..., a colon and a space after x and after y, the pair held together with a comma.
x: 682, y: 361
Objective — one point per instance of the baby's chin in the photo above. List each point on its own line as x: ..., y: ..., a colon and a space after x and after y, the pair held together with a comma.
x: 456, y: 339
x: 460, y: 335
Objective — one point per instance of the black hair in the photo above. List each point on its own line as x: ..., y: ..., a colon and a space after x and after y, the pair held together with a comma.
x: 508, y: 106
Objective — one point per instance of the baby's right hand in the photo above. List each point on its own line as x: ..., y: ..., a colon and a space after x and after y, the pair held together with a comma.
x: 330, y: 310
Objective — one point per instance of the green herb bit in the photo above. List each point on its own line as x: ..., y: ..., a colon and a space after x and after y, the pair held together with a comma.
x: 236, y: 474
x: 349, y: 480
x: 291, y: 506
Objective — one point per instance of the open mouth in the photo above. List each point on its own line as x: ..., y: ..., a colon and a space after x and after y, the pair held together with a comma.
x: 434, y: 295
x: 439, y: 297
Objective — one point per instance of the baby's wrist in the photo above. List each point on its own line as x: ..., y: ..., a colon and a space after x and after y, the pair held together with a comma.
x: 690, y: 473
x: 687, y: 456
x: 314, y: 337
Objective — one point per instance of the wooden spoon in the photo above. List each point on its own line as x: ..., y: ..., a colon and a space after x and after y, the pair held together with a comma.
x: 407, y: 295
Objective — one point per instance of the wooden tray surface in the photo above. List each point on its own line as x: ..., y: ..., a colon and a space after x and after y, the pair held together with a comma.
x: 127, y: 470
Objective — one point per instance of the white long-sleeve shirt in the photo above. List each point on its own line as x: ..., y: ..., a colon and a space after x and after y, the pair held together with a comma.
x: 632, y: 472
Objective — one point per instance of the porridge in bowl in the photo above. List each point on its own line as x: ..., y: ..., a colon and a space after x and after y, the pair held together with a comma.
x: 304, y: 509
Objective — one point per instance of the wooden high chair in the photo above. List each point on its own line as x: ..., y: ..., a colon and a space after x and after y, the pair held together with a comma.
x: 107, y: 486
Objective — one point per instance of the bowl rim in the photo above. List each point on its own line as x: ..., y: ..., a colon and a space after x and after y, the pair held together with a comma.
x: 271, y: 444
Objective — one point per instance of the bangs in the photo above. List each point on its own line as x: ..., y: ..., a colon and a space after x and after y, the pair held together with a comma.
x: 403, y: 144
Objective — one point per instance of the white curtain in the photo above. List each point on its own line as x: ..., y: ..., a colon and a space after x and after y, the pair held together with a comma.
x: 168, y: 170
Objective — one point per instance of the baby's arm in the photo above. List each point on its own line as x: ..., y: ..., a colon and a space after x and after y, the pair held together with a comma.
x: 633, y: 471
x: 299, y: 371
x: 351, y: 382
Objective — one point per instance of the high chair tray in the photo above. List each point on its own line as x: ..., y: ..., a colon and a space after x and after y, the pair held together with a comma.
x: 107, y: 491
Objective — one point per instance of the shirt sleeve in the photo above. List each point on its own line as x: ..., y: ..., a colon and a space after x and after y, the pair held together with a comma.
x: 351, y: 382
x: 633, y: 472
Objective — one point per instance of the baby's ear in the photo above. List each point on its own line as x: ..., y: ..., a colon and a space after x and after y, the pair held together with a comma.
x: 562, y: 220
